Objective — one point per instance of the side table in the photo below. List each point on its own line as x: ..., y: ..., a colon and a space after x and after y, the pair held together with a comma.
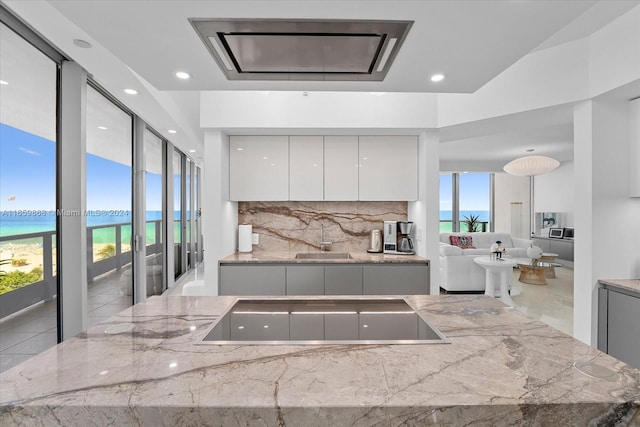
x: 498, y: 273
x: 549, y: 257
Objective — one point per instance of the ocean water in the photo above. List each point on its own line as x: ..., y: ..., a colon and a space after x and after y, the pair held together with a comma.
x: 20, y: 223
x: 445, y: 227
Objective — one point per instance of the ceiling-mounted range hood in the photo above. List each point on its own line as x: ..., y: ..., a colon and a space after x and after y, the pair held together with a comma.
x: 282, y: 49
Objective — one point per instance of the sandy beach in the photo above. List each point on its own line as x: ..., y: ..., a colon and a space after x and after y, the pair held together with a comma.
x: 33, y: 255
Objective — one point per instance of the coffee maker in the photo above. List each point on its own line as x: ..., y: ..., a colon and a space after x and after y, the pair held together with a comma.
x: 406, y: 243
x: 390, y: 237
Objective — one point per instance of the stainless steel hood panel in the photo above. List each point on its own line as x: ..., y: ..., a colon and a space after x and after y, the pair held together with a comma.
x: 276, y: 49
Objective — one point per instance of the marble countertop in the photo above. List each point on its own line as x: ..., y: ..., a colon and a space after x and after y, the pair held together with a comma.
x: 625, y: 284
x: 145, y: 366
x: 358, y: 257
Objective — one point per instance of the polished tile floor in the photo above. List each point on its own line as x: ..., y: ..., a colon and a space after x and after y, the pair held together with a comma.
x: 551, y: 303
x: 33, y: 330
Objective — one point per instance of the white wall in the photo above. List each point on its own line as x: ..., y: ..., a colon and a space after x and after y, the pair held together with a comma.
x: 554, y: 192
x: 219, y: 215
x: 254, y: 111
x: 565, y: 73
x: 512, y: 189
x: 605, y: 215
x: 424, y: 213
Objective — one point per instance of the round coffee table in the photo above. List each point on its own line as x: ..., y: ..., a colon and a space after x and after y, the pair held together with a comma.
x: 535, y: 272
x: 498, y: 273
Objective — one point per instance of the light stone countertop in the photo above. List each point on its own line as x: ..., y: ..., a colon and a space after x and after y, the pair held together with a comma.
x: 359, y: 257
x: 624, y: 284
x: 501, y: 369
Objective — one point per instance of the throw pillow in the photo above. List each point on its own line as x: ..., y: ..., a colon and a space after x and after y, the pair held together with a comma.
x: 464, y: 242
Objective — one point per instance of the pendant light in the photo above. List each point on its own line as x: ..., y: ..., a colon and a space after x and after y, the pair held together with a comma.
x: 531, y: 165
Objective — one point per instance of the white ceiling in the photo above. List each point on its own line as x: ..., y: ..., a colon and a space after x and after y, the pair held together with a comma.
x: 470, y: 41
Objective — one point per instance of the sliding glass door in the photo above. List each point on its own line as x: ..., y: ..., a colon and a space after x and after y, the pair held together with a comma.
x: 28, y: 234
x: 154, y: 151
x: 109, y: 206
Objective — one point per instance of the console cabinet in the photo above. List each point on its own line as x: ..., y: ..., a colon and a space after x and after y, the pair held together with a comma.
x: 618, y: 320
x: 324, y: 279
x: 562, y: 247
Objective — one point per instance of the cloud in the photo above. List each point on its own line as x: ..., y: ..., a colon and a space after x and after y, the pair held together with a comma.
x: 25, y: 150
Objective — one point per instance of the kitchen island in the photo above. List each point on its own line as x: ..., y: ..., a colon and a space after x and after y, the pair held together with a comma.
x: 147, y: 366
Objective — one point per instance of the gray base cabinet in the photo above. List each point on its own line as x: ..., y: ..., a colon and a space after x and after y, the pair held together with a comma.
x: 334, y: 279
x: 396, y: 280
x: 305, y: 280
x: 256, y: 280
x: 343, y: 280
x: 618, y: 320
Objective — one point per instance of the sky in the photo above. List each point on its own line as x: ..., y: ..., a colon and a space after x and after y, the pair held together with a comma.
x: 27, y: 170
x: 474, y: 192
x: 27, y: 176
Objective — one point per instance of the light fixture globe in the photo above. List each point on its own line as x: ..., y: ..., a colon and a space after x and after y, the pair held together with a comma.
x: 531, y: 165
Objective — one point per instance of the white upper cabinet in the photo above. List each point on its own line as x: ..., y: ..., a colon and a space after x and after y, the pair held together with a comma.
x: 340, y: 168
x: 306, y: 167
x: 388, y: 167
x: 259, y: 168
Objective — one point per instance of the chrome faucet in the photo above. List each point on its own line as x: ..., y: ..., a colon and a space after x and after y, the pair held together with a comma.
x: 322, y: 242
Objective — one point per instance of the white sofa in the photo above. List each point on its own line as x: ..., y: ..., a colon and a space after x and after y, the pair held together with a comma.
x: 459, y: 273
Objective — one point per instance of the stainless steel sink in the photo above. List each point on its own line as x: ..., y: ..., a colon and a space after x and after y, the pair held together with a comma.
x: 323, y: 255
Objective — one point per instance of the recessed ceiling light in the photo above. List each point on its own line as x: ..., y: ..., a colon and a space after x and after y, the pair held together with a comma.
x: 437, y: 77
x: 172, y: 131
x: 131, y: 91
x: 182, y: 75
x: 2, y: 82
x: 192, y: 151
x: 102, y: 128
x: 239, y: 149
x: 82, y: 43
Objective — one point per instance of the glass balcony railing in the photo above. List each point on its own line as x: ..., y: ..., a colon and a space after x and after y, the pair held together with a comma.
x: 29, y: 261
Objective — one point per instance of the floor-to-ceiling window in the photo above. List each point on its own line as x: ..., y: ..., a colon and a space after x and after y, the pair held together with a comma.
x: 178, y: 219
x: 28, y: 91
x: 154, y: 202
x: 197, y: 212
x: 465, y: 202
x: 474, y: 198
x: 109, y: 206
x: 188, y: 198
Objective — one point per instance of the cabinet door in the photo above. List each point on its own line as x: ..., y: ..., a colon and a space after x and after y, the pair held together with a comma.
x: 252, y: 280
x: 395, y: 279
x: 388, y: 167
x: 563, y: 249
x: 259, y: 168
x: 623, y: 319
x: 305, y: 280
x: 340, y: 168
x: 343, y: 280
x: 306, y: 168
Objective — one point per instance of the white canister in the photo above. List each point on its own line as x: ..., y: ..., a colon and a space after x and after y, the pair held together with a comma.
x: 244, y: 238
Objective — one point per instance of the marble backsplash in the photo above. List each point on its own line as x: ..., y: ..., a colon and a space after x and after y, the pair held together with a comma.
x: 295, y: 226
